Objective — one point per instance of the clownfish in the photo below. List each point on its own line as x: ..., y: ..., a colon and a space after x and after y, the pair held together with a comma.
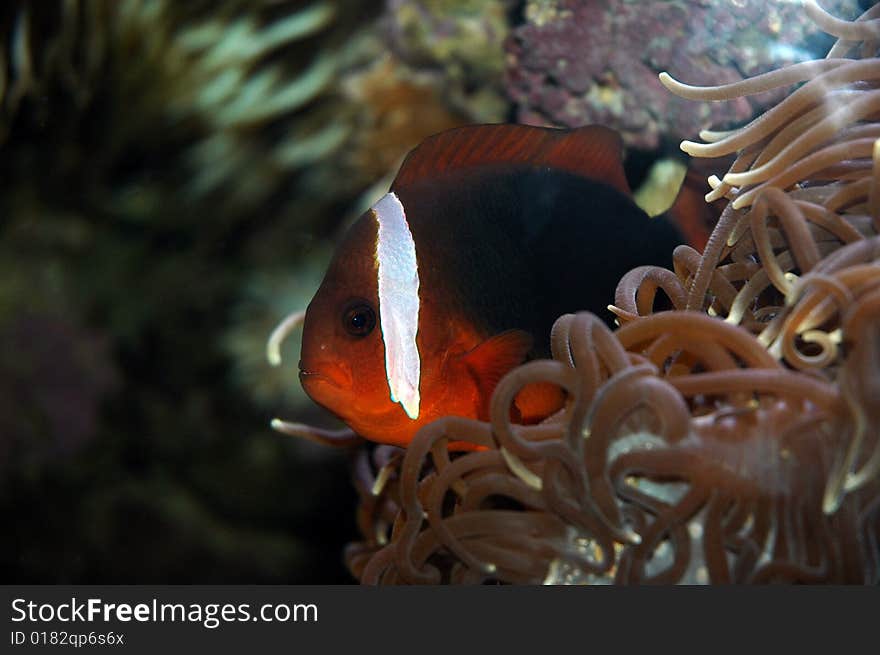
x: 488, y: 234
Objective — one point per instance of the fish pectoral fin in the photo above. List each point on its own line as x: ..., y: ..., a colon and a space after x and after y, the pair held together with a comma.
x: 494, y: 358
x: 537, y: 401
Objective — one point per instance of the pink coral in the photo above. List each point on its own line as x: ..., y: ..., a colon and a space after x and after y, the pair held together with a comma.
x: 576, y: 62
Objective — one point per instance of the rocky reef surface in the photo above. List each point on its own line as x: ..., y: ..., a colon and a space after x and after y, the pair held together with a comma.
x: 573, y: 63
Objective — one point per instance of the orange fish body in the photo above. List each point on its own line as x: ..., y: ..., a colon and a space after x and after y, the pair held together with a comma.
x: 342, y: 369
x: 488, y: 234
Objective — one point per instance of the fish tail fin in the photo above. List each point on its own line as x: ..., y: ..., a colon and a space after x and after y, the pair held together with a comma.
x: 690, y: 212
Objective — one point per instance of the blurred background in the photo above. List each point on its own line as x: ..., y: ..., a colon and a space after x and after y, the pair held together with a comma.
x: 173, y: 177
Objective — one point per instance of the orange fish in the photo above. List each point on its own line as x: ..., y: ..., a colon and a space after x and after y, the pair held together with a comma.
x: 488, y: 234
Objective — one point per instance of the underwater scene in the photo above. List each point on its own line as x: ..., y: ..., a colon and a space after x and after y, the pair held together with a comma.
x: 440, y: 291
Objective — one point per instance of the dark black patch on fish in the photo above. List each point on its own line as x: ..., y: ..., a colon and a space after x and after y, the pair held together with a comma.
x: 516, y: 246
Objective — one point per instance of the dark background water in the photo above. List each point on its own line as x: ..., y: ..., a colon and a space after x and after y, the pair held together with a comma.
x: 136, y: 293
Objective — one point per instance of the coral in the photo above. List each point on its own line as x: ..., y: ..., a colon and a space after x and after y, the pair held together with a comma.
x: 399, y: 108
x: 461, y: 42
x: 575, y: 63
x: 231, y: 106
x: 735, y: 438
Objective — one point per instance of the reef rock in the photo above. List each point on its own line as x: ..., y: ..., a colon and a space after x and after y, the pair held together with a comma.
x: 459, y: 43
x: 576, y: 62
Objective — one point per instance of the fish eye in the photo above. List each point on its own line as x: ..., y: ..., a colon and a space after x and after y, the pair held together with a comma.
x: 359, y: 319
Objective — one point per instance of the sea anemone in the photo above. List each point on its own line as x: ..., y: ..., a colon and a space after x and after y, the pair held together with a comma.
x: 735, y: 438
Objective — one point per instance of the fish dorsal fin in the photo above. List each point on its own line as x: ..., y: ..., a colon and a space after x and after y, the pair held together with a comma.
x: 494, y: 358
x: 592, y: 151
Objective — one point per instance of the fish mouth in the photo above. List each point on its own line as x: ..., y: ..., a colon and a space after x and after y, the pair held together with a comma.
x: 330, y: 374
x: 325, y: 383
x: 307, y: 377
